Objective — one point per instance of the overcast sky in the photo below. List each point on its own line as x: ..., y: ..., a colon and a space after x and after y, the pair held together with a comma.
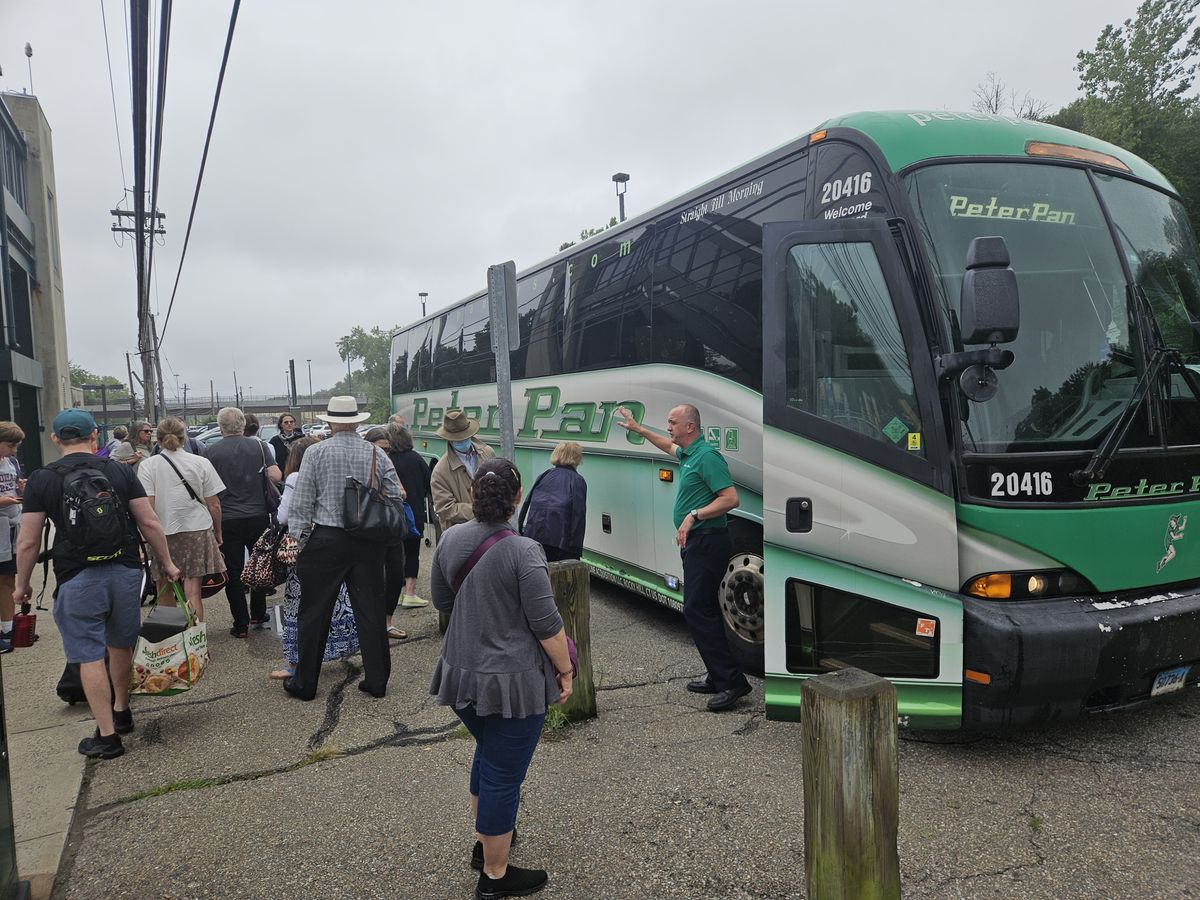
x: 366, y: 151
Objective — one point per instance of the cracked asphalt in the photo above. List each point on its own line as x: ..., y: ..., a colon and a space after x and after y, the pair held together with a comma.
x: 353, y: 797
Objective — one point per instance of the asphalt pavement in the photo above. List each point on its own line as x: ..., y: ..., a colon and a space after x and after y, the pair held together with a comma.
x: 238, y: 791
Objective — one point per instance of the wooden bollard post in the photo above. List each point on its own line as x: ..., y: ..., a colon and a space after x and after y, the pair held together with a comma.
x: 851, y: 787
x: 572, y: 595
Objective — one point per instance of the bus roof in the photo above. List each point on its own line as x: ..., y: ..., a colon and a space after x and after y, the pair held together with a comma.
x: 911, y: 136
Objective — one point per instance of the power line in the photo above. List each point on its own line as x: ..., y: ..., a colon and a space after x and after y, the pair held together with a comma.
x: 164, y: 39
x: 113, y: 91
x: 203, y: 160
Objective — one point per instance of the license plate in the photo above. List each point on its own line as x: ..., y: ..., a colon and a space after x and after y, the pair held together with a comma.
x: 1169, y: 680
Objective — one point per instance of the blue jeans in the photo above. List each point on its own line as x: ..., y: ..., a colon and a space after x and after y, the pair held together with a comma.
x: 503, y: 751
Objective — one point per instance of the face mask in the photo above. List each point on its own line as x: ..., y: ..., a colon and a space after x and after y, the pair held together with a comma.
x: 461, y: 446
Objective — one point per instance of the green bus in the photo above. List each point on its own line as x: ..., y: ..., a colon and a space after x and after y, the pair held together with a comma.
x: 988, y: 508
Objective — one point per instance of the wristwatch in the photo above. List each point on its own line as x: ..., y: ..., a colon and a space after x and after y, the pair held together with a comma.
x: 695, y: 514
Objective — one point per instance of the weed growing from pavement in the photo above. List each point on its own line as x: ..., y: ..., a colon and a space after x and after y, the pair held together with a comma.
x: 460, y: 734
x: 556, y: 724
x: 1035, y: 823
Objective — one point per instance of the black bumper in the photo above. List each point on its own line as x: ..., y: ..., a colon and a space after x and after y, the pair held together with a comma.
x: 1057, y: 659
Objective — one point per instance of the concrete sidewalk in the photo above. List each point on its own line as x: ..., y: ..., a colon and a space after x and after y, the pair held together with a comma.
x: 43, y: 739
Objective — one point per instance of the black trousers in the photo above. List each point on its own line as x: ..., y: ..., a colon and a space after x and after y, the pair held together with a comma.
x: 237, y: 537
x: 705, y: 557
x: 330, y: 557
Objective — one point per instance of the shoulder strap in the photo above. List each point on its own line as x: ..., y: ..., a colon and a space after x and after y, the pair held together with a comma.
x: 191, y: 493
x: 487, y: 544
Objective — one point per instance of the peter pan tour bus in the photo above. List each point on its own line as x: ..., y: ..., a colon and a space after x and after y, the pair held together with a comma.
x: 987, y: 507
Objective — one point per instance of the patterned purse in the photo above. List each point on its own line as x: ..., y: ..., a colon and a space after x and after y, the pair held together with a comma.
x: 263, y: 570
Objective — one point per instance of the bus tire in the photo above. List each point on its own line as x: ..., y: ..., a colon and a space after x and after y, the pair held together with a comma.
x: 741, y: 596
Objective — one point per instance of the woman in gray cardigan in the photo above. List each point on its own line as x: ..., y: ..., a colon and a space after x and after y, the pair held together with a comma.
x: 504, y: 659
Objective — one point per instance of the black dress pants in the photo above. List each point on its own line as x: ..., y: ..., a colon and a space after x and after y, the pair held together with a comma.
x: 705, y: 557
x: 330, y: 557
x: 237, y: 537
x: 393, y: 566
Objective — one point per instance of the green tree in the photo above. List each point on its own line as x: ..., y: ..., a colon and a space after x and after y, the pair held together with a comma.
x: 373, y: 349
x: 81, y: 376
x: 1137, y: 92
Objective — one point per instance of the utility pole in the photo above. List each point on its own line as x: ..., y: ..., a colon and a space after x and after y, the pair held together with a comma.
x: 161, y: 411
x: 184, y: 404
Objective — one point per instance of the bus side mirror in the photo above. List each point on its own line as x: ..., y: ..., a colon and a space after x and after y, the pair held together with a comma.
x: 989, y: 307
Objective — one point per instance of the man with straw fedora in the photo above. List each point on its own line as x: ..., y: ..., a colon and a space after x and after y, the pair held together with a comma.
x: 450, y: 483
x: 330, y: 555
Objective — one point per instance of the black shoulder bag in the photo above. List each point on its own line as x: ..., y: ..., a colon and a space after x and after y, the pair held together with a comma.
x: 368, y: 513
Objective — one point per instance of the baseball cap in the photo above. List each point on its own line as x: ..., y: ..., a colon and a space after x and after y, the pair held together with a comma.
x: 72, y: 424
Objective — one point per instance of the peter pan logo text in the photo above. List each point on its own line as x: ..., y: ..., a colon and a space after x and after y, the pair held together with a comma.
x: 546, y: 417
x: 967, y: 208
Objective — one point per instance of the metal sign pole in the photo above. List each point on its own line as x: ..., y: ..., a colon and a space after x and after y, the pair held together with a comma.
x: 502, y: 304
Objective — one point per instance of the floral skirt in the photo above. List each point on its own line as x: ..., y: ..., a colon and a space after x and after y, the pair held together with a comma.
x: 343, y: 632
x: 196, y: 553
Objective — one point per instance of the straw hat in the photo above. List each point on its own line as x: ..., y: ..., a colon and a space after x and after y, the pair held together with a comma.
x: 456, y: 426
x: 343, y: 409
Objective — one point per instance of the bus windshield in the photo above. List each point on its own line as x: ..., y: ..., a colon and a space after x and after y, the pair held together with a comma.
x: 1077, y: 361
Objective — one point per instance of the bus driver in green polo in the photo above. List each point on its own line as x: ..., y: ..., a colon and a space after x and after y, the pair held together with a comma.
x: 704, y: 495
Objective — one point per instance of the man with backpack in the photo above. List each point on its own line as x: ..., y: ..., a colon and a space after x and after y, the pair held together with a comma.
x: 98, y: 507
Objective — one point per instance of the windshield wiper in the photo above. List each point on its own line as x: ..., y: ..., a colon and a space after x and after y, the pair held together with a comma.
x: 1160, y: 362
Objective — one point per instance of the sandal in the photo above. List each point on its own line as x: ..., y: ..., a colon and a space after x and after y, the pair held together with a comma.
x: 283, y: 674
x: 397, y: 634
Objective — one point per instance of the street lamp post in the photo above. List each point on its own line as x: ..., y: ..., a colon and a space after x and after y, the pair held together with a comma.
x: 619, y: 181
x: 349, y: 377
x: 311, y: 418
x: 423, y: 295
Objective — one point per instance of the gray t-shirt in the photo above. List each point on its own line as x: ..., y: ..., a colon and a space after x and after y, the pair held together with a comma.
x: 239, y: 462
x: 491, y: 656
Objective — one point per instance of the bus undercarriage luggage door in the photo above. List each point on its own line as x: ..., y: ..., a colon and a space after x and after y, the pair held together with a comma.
x: 859, y: 534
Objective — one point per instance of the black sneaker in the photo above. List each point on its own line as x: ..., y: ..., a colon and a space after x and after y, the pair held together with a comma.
x: 477, y: 852
x: 517, y: 882
x: 96, y: 747
x: 123, y: 720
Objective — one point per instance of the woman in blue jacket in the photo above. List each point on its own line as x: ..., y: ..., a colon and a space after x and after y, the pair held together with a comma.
x: 555, y: 511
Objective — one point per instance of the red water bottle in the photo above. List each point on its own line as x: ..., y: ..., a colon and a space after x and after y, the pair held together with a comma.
x: 24, y: 630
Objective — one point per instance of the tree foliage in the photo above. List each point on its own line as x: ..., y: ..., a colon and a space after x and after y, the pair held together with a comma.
x: 81, y: 376
x: 1137, y: 92
x: 589, y: 232
x: 373, y: 379
x: 992, y: 95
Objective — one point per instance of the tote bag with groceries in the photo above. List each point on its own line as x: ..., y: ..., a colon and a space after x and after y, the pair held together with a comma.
x: 169, y: 664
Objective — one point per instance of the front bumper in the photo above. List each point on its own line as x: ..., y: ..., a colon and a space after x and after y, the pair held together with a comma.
x: 1057, y: 659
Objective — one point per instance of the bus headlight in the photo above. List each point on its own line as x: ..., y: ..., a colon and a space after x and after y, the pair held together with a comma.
x: 1027, y: 585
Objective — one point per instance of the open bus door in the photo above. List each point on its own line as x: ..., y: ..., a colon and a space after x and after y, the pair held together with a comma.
x: 859, y: 530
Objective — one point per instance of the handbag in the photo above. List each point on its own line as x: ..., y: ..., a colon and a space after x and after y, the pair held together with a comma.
x: 410, y: 521
x: 269, y: 491
x: 263, y: 570
x: 370, y: 515
x: 213, y: 582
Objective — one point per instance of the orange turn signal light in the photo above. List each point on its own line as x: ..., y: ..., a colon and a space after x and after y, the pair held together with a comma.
x: 1079, y: 154
x: 666, y: 475
x: 817, y: 136
x: 991, y: 587
x: 977, y: 677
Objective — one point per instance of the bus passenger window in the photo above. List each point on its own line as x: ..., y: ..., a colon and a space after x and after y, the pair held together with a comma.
x: 846, y: 360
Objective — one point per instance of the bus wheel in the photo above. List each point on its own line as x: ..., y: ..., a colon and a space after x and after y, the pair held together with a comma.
x: 741, y: 598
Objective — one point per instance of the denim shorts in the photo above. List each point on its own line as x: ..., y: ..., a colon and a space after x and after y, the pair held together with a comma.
x: 99, y: 607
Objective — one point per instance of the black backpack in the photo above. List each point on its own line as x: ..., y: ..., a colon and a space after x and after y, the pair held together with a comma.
x: 95, y: 521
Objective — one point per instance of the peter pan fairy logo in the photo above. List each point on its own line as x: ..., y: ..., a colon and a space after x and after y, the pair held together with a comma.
x: 1175, y: 527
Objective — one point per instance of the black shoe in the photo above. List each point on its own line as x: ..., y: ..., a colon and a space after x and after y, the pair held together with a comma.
x: 727, y: 699
x: 123, y: 720
x: 295, y: 690
x: 517, y: 882
x: 477, y: 852
x: 703, y: 686
x: 237, y: 632
x: 362, y: 686
x: 96, y: 747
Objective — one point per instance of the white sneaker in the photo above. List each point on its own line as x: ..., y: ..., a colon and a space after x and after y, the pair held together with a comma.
x: 411, y: 601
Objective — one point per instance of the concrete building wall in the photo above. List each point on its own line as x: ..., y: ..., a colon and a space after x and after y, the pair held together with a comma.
x: 48, y: 301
